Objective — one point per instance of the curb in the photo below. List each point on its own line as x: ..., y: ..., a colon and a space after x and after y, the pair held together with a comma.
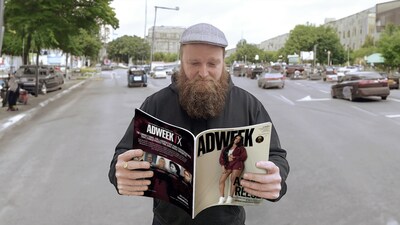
x: 23, y: 116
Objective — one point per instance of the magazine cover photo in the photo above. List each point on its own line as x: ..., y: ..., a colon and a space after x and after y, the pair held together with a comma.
x: 222, y: 158
x: 170, y: 153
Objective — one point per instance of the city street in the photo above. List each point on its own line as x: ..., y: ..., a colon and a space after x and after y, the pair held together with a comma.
x: 343, y: 156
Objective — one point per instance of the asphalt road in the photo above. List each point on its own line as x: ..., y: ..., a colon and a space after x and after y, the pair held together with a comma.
x: 343, y: 155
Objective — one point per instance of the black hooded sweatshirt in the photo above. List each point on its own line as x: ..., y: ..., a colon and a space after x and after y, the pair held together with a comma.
x: 241, y: 109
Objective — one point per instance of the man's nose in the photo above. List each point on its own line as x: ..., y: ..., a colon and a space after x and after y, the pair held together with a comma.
x: 203, y: 71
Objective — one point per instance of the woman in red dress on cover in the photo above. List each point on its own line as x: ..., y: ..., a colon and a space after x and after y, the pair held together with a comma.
x: 232, y: 162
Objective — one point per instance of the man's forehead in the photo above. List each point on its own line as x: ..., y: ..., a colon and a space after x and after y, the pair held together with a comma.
x: 194, y: 51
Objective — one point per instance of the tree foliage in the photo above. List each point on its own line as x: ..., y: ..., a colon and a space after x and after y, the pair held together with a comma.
x: 305, y: 37
x: 165, y: 57
x: 246, y: 53
x: 389, y: 46
x: 55, y: 24
x: 87, y: 44
x: 128, y: 47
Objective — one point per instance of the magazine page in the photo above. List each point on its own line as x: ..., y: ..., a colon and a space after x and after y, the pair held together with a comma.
x: 169, y: 149
x: 213, y: 150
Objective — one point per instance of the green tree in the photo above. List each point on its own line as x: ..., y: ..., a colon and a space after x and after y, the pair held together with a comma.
x: 247, y: 52
x: 56, y: 24
x: 305, y: 37
x: 89, y: 45
x: 127, y: 47
x: 12, y: 43
x: 389, y: 46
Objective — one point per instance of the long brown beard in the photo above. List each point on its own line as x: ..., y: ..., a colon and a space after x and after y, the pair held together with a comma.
x: 202, y: 97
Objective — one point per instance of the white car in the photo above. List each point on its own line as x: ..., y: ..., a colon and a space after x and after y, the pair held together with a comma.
x: 159, y: 72
x: 331, y: 77
x: 341, y: 71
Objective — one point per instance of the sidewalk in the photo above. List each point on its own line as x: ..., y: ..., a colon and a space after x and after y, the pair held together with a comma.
x: 11, y: 118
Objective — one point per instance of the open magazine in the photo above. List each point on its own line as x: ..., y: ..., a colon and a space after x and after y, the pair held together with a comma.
x: 187, y: 168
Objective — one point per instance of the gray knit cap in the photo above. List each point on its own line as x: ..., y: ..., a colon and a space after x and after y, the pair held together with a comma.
x: 204, y: 33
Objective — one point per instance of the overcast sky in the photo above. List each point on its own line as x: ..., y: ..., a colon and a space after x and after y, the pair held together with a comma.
x: 253, y: 20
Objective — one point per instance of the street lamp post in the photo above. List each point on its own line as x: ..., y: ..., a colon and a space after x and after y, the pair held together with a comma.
x: 329, y: 58
x: 348, y: 55
x: 1, y: 23
x: 154, y: 26
x: 315, y: 54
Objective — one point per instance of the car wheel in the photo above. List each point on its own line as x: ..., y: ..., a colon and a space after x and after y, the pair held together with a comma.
x: 348, y: 93
x: 384, y: 97
x: 43, y: 89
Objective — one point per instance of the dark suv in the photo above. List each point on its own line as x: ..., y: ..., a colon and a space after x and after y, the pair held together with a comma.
x: 50, y: 79
x: 137, y: 77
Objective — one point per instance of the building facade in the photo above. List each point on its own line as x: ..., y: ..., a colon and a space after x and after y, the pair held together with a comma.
x: 387, y: 13
x: 166, y: 38
x: 352, y: 30
x: 274, y: 44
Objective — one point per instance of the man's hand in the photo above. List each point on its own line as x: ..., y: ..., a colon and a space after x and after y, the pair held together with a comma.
x: 131, y: 174
x: 266, y: 185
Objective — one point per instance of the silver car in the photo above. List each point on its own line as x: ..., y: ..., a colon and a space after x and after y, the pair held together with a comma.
x: 271, y: 78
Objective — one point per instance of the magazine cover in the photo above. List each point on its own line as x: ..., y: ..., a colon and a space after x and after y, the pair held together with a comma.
x: 194, y: 172
x: 212, y: 146
x: 169, y: 149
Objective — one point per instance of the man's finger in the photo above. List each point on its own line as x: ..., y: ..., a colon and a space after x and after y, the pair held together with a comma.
x: 268, y: 166
x: 130, y: 154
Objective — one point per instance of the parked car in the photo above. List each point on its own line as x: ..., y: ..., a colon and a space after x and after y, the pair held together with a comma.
x: 106, y: 67
x: 271, y: 78
x: 169, y: 69
x: 355, y: 85
x: 159, y: 72
x: 3, y: 90
x: 253, y: 72
x: 136, y: 77
x: 238, y: 70
x: 63, y: 69
x: 393, y: 80
x: 315, y: 74
x: 50, y: 79
x: 290, y: 71
x: 330, y: 74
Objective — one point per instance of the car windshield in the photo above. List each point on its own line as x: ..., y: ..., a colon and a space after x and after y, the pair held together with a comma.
x: 158, y: 68
x: 272, y: 75
x: 274, y: 71
x: 26, y: 70
x: 137, y: 72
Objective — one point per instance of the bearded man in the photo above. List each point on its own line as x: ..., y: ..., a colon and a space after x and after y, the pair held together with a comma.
x: 202, y: 96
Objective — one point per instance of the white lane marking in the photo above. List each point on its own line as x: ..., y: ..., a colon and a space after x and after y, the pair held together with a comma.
x: 392, y: 221
x: 326, y: 92
x: 364, y: 111
x: 394, y: 99
x: 12, y: 120
x: 308, y: 99
x: 393, y: 116
x: 286, y: 100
